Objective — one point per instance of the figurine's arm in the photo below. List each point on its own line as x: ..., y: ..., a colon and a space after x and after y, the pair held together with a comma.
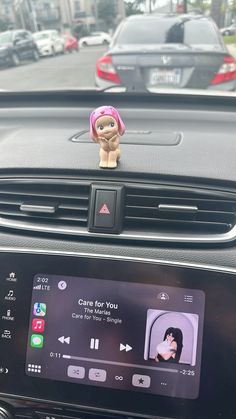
x: 114, y: 142
x: 104, y: 143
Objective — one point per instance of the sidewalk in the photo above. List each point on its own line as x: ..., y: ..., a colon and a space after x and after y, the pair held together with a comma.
x: 232, y: 49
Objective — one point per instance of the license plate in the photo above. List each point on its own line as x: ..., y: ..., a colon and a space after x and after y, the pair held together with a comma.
x: 164, y: 76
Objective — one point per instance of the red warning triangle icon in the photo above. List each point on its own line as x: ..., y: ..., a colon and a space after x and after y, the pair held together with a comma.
x: 104, y: 209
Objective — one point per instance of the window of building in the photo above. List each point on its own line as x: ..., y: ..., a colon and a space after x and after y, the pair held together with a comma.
x: 77, y: 5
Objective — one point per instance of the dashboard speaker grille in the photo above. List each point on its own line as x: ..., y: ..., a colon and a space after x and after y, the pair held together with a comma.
x: 178, y: 211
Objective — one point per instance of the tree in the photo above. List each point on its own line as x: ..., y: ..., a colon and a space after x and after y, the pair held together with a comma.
x: 217, y: 11
x: 131, y: 8
x: 232, y: 6
x: 200, y: 5
x: 138, y: 6
x: 107, y: 12
x: 4, y: 24
x: 80, y: 30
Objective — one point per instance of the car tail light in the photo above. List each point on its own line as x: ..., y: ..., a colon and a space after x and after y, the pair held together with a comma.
x: 106, y: 70
x: 227, y: 71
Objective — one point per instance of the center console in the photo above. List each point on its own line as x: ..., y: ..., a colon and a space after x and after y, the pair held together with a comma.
x: 137, y: 338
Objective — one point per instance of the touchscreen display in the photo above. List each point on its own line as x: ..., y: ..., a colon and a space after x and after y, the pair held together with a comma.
x: 115, y: 334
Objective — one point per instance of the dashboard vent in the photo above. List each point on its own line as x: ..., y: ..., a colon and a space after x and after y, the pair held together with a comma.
x: 155, y: 213
x: 177, y: 211
x: 45, y: 202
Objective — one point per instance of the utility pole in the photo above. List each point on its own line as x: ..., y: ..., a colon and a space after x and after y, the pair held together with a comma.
x: 96, y: 14
x: 185, y: 6
x: 216, y: 7
x: 18, y: 12
x: 150, y: 6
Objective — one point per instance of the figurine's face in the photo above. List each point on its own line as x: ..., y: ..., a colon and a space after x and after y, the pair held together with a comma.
x: 106, y: 126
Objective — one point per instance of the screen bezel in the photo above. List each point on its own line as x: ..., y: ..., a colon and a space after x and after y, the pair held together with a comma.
x: 116, y: 269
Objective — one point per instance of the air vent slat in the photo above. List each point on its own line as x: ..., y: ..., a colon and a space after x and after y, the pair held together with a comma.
x: 142, y: 212
x: 154, y: 201
x: 7, y: 202
x: 43, y: 216
x: 210, y: 212
x: 169, y: 220
x: 46, y: 195
x: 73, y: 207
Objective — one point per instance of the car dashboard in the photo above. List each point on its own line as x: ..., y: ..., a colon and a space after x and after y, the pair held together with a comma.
x: 101, y: 269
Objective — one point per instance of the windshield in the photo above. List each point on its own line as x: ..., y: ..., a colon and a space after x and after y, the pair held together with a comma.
x: 5, y: 37
x: 123, y: 45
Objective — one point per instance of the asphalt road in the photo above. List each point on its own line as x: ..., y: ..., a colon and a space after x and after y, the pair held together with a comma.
x: 70, y: 71
x: 74, y: 70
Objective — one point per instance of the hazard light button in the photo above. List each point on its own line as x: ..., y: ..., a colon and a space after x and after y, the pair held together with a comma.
x: 106, y: 209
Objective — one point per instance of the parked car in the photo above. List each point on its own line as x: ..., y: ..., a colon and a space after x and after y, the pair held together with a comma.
x: 153, y: 51
x: 49, y: 42
x: 95, y: 38
x: 229, y: 30
x: 70, y: 43
x: 16, y: 46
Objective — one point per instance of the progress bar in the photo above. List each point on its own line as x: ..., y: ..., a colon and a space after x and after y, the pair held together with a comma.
x: 122, y: 364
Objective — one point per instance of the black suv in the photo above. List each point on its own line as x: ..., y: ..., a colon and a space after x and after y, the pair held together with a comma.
x: 16, y: 46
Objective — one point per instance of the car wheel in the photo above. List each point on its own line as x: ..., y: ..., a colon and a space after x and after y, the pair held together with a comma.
x: 15, y: 60
x: 84, y: 44
x: 227, y: 33
x: 35, y: 55
x: 53, y: 52
x: 105, y: 42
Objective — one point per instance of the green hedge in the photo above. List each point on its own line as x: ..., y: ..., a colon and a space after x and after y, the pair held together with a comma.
x: 230, y: 39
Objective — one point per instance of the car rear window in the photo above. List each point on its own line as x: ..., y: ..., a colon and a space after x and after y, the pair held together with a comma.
x: 161, y: 31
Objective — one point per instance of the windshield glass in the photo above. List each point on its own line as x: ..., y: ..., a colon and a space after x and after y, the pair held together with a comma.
x: 5, y: 37
x: 126, y: 45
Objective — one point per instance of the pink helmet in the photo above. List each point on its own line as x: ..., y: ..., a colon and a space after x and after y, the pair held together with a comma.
x: 105, y: 111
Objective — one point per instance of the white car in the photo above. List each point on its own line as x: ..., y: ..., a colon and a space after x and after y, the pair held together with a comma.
x: 49, y: 42
x: 95, y: 38
x: 229, y: 30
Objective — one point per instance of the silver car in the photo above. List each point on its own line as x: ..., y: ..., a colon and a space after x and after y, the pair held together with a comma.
x: 169, y: 51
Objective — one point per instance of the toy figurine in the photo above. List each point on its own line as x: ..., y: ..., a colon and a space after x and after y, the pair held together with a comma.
x: 106, y: 127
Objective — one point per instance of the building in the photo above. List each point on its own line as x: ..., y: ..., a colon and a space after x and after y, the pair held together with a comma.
x: 47, y: 14
x: 36, y: 15
x: 24, y: 15
x: 7, y: 13
x: 86, y: 12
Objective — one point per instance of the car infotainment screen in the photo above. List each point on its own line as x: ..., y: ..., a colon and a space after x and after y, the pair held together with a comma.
x: 128, y: 337
x: 116, y: 334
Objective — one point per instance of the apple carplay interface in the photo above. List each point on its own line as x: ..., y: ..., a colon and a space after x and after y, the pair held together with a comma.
x: 116, y: 334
